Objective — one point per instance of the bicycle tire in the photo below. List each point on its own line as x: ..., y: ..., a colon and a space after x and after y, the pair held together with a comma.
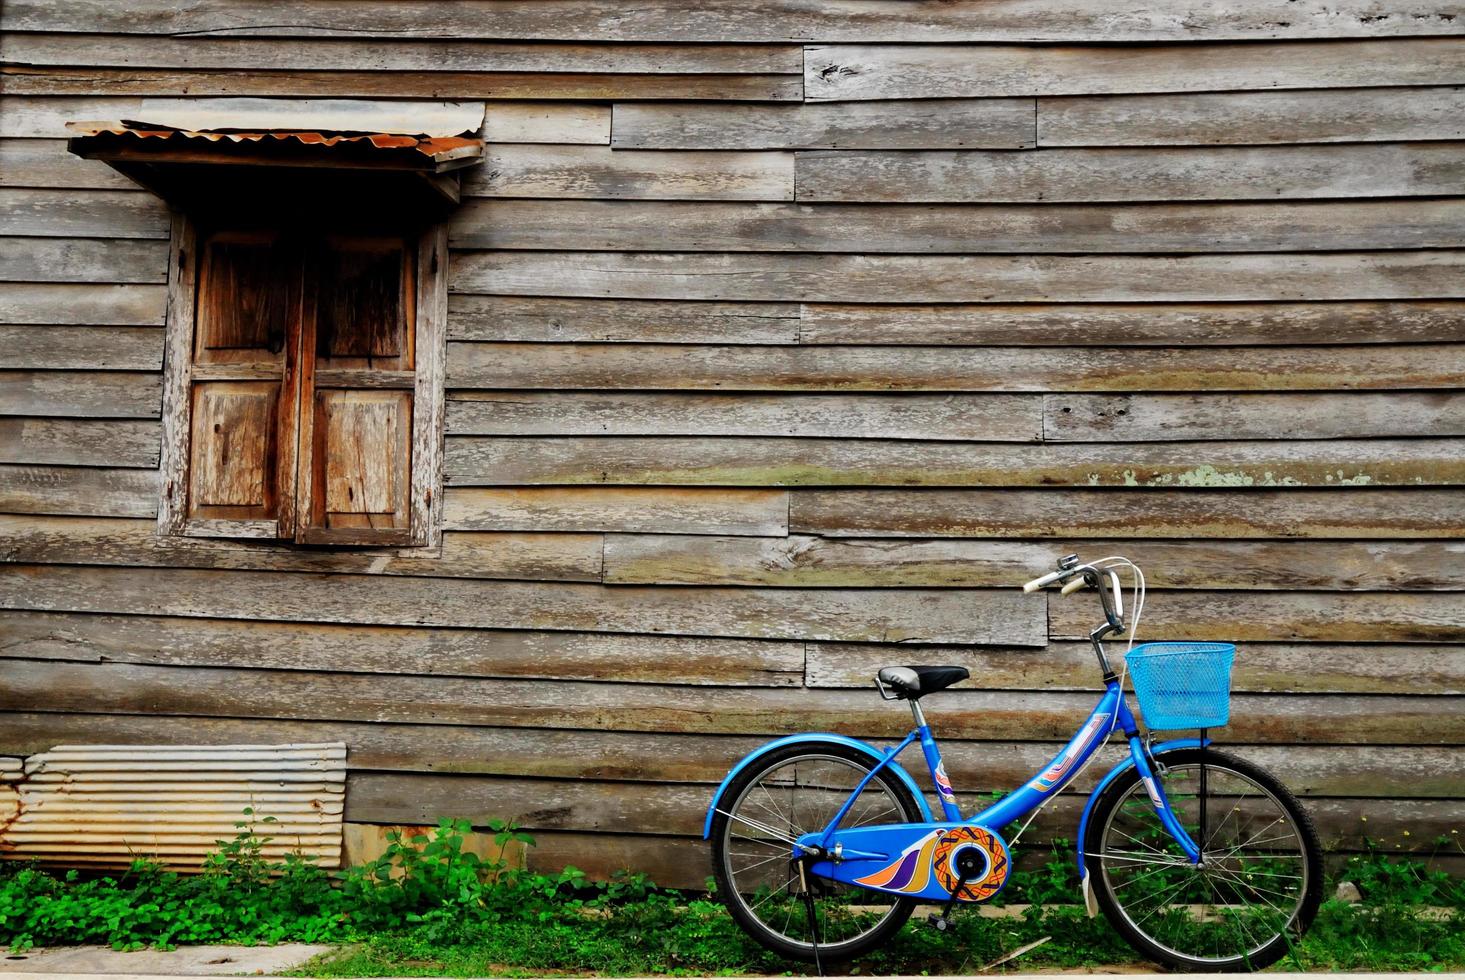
x: 1262, y: 954
x: 910, y: 812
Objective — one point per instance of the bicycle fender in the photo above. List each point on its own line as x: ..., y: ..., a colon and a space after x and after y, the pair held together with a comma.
x: 864, y: 747
x: 1109, y: 777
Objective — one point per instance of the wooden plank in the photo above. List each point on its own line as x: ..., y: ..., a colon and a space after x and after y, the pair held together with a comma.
x: 78, y: 442
x: 86, y: 260
x: 1310, y: 770
x: 473, y: 317
x: 1151, y: 514
x: 1283, y: 668
x: 681, y: 511
x: 540, y: 122
x: 1137, y: 418
x: 933, y: 616
x: 1373, y: 115
x: 1349, y: 617
x: 806, y: 561
x: 86, y: 81
x: 80, y: 394
x: 106, y: 348
x: 671, y: 808
x: 396, y: 54
x: 752, y: 368
x: 744, y: 20
x: 537, y: 170
x: 1132, y: 174
x: 1182, y: 324
x: 45, y: 163
x: 856, y: 72
x: 110, y: 688
x: 77, y: 213
x: 815, y: 278
x: 403, y: 650
x: 997, y: 124
x: 82, y: 303
x: 958, y: 228
x: 993, y: 418
x: 774, y: 462
x: 540, y: 557
x: 78, y: 490
x: 34, y: 117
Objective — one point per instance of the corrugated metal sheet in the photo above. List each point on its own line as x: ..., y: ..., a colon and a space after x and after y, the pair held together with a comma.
x: 437, y: 149
x: 104, y: 805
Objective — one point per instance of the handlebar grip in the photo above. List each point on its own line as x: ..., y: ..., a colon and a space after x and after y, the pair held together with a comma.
x: 1041, y: 581
x: 1074, y: 586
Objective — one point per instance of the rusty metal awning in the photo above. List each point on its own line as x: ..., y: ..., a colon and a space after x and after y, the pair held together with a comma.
x: 194, y: 153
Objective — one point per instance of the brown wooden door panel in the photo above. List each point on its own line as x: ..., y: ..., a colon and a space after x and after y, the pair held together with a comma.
x: 361, y: 467
x: 246, y: 294
x: 233, y: 471
x: 363, y: 305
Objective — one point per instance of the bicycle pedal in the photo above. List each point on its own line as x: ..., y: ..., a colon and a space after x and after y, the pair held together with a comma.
x: 941, y: 922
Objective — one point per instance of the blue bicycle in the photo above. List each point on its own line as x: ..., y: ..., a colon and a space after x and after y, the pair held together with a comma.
x: 823, y: 845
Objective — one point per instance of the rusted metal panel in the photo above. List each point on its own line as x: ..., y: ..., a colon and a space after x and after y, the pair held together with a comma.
x: 106, y: 805
x: 428, y: 119
x: 435, y: 150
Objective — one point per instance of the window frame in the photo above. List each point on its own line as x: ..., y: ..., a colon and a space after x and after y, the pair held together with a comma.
x: 429, y: 396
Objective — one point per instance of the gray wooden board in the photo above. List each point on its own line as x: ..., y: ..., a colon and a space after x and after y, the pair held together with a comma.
x: 992, y: 418
x: 534, y: 556
x: 82, y: 260
x: 975, y: 368
x: 816, y: 278
x: 538, y: 170
x: 1309, y: 770
x: 365, y: 53
x: 65, y: 213
x: 1183, y: 324
x: 82, y: 348
x: 686, y: 510
x: 82, y: 304
x: 856, y: 72
x: 742, y: 20
x: 1064, y: 175
x: 78, y: 490
x: 965, y: 616
x: 46, y: 163
x: 1315, y: 415
x: 721, y: 461
x: 79, y: 442
x: 81, y: 394
x: 809, y: 560
x: 1326, y: 616
x: 1186, y: 514
x: 1373, y: 115
x: 916, y: 125
x: 395, y: 650
x: 529, y: 318
x: 105, y: 688
x: 576, y: 226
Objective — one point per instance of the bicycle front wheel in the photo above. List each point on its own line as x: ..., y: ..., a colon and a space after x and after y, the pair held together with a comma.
x: 1259, y: 882
x: 791, y: 792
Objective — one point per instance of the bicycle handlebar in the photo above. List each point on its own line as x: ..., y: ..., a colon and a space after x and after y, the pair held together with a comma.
x: 1075, y: 576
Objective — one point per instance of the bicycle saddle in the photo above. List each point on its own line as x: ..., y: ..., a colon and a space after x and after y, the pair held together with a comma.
x: 912, y: 682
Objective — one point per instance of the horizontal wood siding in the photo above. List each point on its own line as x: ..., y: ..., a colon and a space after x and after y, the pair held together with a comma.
x: 784, y: 339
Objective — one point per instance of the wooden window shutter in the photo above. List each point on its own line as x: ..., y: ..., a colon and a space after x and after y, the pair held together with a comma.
x: 240, y: 403
x: 358, y: 392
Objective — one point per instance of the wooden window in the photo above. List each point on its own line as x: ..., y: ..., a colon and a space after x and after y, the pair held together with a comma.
x: 303, y: 393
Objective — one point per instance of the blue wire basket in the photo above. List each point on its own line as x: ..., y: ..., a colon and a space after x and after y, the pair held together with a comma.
x: 1183, y: 685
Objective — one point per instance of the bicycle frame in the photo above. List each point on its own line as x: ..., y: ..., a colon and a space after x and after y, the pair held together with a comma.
x: 847, y: 855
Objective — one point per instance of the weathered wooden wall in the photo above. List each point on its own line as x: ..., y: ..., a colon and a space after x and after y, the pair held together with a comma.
x: 786, y: 336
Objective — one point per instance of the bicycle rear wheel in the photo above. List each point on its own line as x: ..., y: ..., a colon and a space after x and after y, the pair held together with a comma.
x: 791, y: 792
x: 1257, y: 888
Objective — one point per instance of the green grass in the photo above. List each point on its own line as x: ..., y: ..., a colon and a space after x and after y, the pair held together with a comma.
x: 427, y: 907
